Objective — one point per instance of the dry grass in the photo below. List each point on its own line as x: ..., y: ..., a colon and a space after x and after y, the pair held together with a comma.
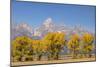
x: 63, y: 60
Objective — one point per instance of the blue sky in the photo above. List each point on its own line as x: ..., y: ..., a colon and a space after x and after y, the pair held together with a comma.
x: 34, y: 14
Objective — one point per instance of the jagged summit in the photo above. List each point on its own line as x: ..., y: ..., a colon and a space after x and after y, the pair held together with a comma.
x: 47, y: 26
x: 48, y: 22
x: 50, y: 26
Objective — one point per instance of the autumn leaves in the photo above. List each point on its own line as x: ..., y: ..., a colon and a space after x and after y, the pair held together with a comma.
x: 27, y: 49
x: 81, y: 45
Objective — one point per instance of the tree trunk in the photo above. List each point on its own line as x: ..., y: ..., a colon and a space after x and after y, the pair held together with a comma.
x: 56, y: 56
x: 90, y: 55
x: 39, y: 57
x: 73, y: 53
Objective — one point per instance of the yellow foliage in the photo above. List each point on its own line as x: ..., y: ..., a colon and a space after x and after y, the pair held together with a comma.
x: 56, y: 38
x: 88, y: 43
x: 73, y: 42
x: 88, y: 38
x: 20, y: 41
x: 41, y: 45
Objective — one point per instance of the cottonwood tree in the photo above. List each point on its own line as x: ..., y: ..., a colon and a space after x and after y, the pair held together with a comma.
x: 39, y: 47
x: 88, y: 40
x: 21, y: 48
x: 56, y: 42
x: 73, y: 45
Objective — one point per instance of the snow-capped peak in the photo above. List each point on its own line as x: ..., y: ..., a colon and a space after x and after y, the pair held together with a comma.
x: 48, y: 23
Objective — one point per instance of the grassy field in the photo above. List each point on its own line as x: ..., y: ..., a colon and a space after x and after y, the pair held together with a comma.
x: 63, y: 59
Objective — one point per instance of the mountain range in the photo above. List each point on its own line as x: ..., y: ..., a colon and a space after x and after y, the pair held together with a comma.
x: 47, y: 26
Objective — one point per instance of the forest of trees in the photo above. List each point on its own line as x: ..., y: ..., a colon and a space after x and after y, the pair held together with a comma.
x: 25, y: 48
